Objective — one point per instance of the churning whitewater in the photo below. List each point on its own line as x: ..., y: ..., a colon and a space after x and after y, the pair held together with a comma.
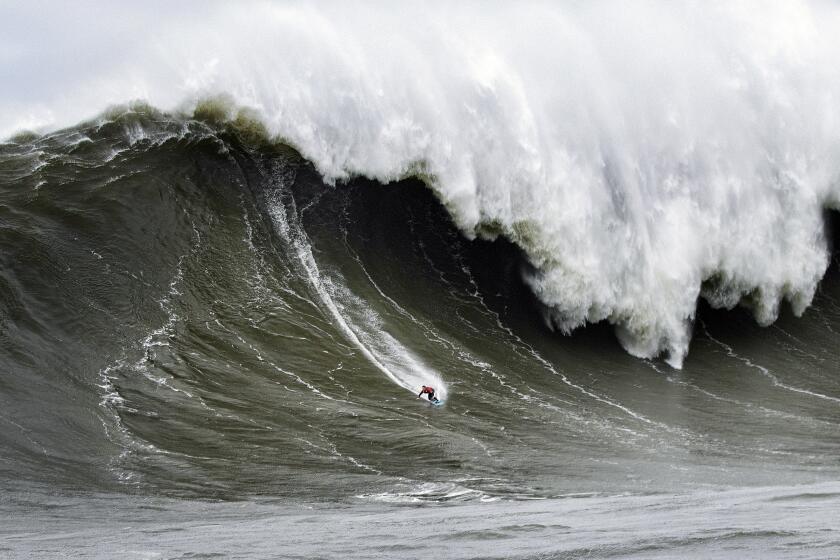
x: 641, y: 157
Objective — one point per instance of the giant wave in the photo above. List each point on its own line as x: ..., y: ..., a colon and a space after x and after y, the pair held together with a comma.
x: 642, y: 158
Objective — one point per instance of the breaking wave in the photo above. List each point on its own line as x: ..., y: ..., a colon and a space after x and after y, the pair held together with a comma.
x: 641, y: 158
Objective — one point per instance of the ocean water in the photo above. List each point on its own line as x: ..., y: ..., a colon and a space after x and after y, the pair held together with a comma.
x: 231, y: 252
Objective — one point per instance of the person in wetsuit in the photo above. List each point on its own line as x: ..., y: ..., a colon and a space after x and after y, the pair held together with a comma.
x: 428, y: 391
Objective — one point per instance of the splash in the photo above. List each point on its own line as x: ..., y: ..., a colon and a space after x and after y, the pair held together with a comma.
x: 642, y: 158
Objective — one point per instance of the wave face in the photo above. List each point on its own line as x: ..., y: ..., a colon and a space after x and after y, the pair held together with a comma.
x: 641, y: 159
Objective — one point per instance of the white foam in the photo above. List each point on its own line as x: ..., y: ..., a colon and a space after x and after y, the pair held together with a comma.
x: 633, y: 152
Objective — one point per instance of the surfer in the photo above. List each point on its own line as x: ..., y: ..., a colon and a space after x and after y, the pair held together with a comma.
x: 428, y: 391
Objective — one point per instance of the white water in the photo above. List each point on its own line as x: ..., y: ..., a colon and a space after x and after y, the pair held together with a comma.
x: 633, y: 153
